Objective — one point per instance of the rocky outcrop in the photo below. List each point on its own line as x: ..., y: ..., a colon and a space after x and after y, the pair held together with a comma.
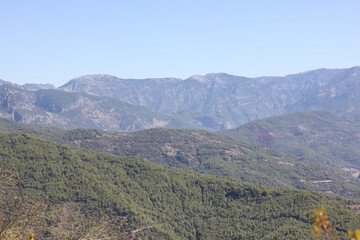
x: 72, y: 110
x: 213, y: 101
x: 224, y: 101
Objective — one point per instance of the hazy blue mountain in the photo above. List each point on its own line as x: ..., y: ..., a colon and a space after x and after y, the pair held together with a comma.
x: 214, y: 101
x: 339, y: 94
x: 29, y: 86
x: 36, y: 86
x: 3, y: 82
x: 72, y: 110
x: 222, y: 101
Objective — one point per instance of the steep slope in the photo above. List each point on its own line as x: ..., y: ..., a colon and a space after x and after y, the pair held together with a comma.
x: 163, y: 202
x: 29, y: 86
x: 71, y: 110
x: 221, y: 101
x: 319, y: 137
x: 36, y: 86
x: 207, y: 153
x: 340, y: 94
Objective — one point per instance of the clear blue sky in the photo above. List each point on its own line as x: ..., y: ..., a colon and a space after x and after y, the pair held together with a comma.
x: 55, y: 40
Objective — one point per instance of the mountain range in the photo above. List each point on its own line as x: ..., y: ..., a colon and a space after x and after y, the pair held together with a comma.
x: 213, y: 101
x: 71, y: 110
x: 114, y: 176
x: 222, y: 101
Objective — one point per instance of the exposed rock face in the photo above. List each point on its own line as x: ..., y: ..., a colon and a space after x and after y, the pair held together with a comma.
x: 35, y: 86
x: 72, y: 110
x: 221, y: 101
x: 213, y: 101
x: 29, y: 86
x: 14, y: 102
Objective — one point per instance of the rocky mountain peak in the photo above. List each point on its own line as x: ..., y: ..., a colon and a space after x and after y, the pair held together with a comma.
x: 199, y: 78
x: 36, y: 86
x: 220, y: 100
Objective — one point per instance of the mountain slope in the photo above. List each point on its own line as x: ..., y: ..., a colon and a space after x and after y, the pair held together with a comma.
x: 319, y: 137
x: 205, y: 152
x: 221, y: 101
x: 172, y: 203
x: 71, y: 110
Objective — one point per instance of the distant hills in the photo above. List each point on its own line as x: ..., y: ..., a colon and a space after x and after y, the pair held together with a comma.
x: 145, y: 200
x: 52, y: 107
x: 222, y: 101
x: 205, y: 152
x: 318, y: 137
x: 213, y: 102
x: 112, y: 175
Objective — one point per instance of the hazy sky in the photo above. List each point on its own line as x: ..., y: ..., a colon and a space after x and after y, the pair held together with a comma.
x: 53, y: 41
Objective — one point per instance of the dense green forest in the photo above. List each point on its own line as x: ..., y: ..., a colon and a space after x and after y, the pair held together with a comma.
x: 205, y: 152
x: 319, y: 137
x: 163, y: 202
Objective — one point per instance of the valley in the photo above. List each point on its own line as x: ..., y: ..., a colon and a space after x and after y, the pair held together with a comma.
x: 208, y: 157
x: 179, y: 120
x: 208, y: 153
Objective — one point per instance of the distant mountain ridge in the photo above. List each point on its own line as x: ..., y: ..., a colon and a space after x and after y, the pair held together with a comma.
x: 214, y: 101
x: 29, y: 86
x: 72, y: 110
x: 222, y: 101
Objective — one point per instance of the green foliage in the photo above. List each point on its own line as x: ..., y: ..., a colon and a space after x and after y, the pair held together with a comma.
x: 16, y: 213
x: 319, y: 137
x: 170, y: 203
x: 204, y: 152
x: 315, y: 137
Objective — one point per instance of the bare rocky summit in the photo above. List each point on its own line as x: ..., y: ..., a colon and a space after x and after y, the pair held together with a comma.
x: 222, y: 101
x: 215, y: 101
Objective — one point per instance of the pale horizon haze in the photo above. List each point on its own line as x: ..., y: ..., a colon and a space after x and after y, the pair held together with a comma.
x: 55, y: 41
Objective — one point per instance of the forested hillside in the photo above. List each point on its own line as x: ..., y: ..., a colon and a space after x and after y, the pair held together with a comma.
x: 164, y: 202
x: 318, y: 137
x: 207, y: 153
